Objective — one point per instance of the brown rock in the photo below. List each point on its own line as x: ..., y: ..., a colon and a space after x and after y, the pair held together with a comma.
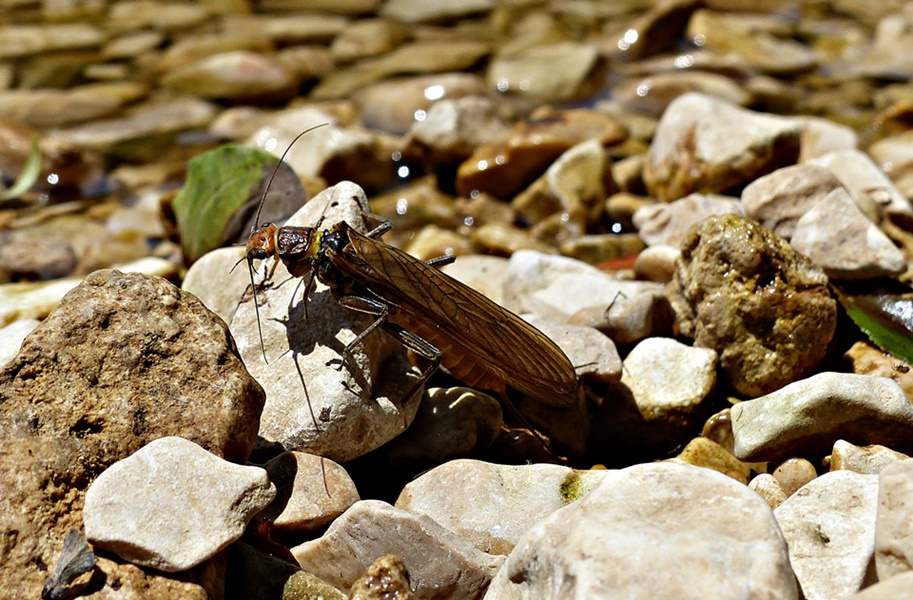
x: 742, y: 291
x: 386, y: 579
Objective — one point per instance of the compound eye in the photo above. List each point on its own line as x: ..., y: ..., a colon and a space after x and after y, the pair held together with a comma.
x: 261, y: 254
x: 267, y: 224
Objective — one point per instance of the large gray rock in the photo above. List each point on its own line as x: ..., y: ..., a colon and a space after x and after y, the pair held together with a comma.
x: 658, y: 530
x: 172, y: 505
x: 829, y: 526
x: 497, y: 504
x: 441, y: 564
x: 807, y: 417
x: 742, y: 291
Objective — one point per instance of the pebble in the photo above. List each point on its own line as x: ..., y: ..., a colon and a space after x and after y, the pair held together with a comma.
x: 498, y: 504
x: 818, y: 136
x: 602, y: 249
x: 424, y: 11
x: 829, y: 526
x: 669, y: 223
x: 646, y: 532
x: 17, y: 41
x: 741, y: 290
x: 366, y: 38
x: 703, y: 144
x: 657, y: 263
x: 386, y: 579
x: 172, y: 505
x: 361, y: 405
x: 311, y: 491
x: 767, y: 486
x: 11, y: 337
x: 594, y: 352
x: 865, y: 359
x: 867, y: 460
x: 703, y: 452
x: 808, y: 416
x: 793, y: 473
x: 671, y: 384
x: 439, y: 562
x: 653, y: 94
x: 60, y: 108
x: 839, y: 238
x: 778, y: 200
x: 453, y: 128
x: 893, y: 531
x: 482, y: 273
x: 236, y: 75
x: 544, y: 74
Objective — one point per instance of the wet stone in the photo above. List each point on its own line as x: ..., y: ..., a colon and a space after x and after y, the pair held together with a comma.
x: 829, y: 526
x: 453, y: 128
x: 810, y: 415
x: 867, y: 460
x: 708, y: 145
x: 654, y: 530
x: 742, y: 291
x: 172, y: 505
x: 311, y: 491
x: 839, y: 238
x: 439, y: 562
x: 498, y: 504
x: 669, y: 223
x: 654, y: 93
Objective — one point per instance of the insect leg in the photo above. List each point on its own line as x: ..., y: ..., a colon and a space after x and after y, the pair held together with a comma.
x: 440, y: 261
x: 364, y: 305
x: 383, y: 225
x: 421, y: 347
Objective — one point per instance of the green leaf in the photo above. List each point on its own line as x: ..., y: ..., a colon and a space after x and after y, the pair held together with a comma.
x: 886, y: 319
x: 220, y: 197
x: 29, y: 175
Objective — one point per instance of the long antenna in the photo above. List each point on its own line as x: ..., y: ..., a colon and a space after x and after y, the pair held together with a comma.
x: 276, y: 170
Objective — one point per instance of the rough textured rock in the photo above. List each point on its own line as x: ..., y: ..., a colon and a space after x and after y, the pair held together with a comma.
x: 894, y: 525
x: 742, y: 291
x: 653, y: 531
x: 313, y: 406
x: 387, y: 579
x: 311, y: 491
x: 843, y: 242
x: 171, y: 505
x: 703, y: 144
x: 441, y: 564
x: 809, y: 416
x: 778, y: 200
x: 497, y: 504
x: 125, y: 359
x: 829, y: 526
x: 867, y: 460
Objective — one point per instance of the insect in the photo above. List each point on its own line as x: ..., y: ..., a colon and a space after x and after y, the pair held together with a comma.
x: 437, y: 317
x: 900, y: 367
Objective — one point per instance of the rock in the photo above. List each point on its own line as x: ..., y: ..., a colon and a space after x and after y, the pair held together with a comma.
x: 702, y: 452
x: 594, y: 353
x: 867, y: 460
x: 171, y: 505
x: 396, y: 105
x: 453, y: 128
x: 893, y: 531
x: 12, y: 336
x: 669, y: 223
x: 810, y: 415
x: 657, y: 263
x: 450, y: 423
x: 543, y: 74
x: 865, y: 359
x: 602, y: 249
x: 575, y: 182
x: 742, y: 291
x: 793, y: 473
x: 142, y: 14
x: 60, y: 108
x: 211, y: 279
x: 37, y: 300
x: 655, y: 31
x: 498, y: 504
x: 482, y: 273
x: 718, y: 428
x: 653, y: 94
x: 778, y: 200
x: 237, y: 75
x: 671, y: 384
x: 311, y: 491
x: 869, y: 186
x: 505, y: 239
x: 423, y: 11
x: 508, y: 165
x: 287, y: 29
x: 746, y: 37
x: 646, y: 532
x: 820, y: 136
x: 361, y: 405
x: 829, y: 526
x: 844, y: 243
x: 708, y: 145
x: 386, y: 579
x: 879, y: 59
x: 441, y: 564
x: 890, y: 589
x: 22, y: 40
x: 433, y: 242
x: 366, y: 38
x: 766, y: 486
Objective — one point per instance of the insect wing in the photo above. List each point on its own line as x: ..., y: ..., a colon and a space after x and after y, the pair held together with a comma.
x: 525, y: 357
